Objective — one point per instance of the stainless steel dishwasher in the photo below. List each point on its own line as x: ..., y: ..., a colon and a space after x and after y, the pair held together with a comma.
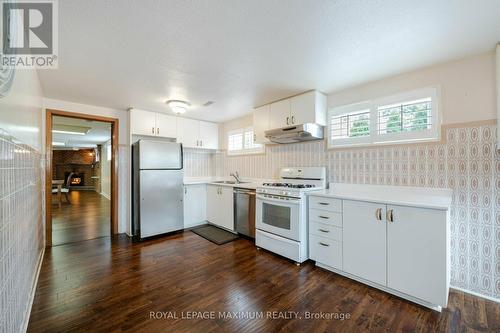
x: 244, y: 211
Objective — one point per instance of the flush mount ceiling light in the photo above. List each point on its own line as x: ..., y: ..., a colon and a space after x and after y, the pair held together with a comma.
x: 178, y: 106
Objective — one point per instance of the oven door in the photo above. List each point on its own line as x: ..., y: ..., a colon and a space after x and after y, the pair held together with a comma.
x: 278, y: 216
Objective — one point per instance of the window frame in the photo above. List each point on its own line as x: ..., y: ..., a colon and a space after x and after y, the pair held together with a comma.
x: 259, y: 149
x: 429, y: 135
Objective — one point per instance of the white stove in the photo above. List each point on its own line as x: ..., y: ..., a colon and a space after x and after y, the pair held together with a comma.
x: 281, y: 217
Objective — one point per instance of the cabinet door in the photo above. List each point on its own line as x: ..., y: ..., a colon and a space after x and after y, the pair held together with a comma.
x: 364, y: 240
x: 166, y: 126
x: 416, y: 253
x: 195, y: 203
x: 279, y: 114
x: 261, y: 124
x: 142, y: 122
x: 226, y: 208
x: 213, y: 199
x: 188, y: 132
x: 209, y: 135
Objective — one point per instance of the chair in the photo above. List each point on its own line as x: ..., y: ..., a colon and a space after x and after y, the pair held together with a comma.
x: 65, y: 187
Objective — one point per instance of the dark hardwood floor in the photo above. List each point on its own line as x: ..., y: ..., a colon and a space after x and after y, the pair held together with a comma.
x: 113, y: 286
x: 87, y: 217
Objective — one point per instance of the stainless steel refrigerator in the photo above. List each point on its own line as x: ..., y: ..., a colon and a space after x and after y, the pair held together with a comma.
x: 157, y: 188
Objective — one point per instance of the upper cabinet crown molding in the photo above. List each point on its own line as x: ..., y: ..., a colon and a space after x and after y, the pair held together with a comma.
x: 309, y: 107
x: 191, y: 133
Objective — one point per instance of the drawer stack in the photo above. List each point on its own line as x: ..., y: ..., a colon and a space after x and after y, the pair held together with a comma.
x: 325, y: 231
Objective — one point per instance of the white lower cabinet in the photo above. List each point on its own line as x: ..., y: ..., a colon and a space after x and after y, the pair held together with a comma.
x: 195, y: 205
x: 220, y: 206
x: 399, y: 249
x: 365, y: 240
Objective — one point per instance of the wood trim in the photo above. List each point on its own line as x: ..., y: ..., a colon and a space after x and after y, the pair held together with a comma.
x: 48, y: 170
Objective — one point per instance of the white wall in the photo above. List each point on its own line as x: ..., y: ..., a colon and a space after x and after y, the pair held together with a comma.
x: 106, y: 171
x: 22, y: 237
x: 123, y: 149
x: 467, y: 88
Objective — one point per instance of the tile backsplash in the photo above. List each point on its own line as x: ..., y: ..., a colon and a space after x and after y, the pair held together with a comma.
x: 21, y: 229
x: 466, y: 161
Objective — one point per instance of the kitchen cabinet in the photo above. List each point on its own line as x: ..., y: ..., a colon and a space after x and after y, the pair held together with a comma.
x: 197, y: 134
x: 261, y: 123
x: 364, y: 238
x: 399, y: 249
x: 152, y: 124
x: 279, y: 114
x: 209, y: 135
x: 195, y: 205
x: 416, y: 252
x: 309, y: 107
x: 220, y: 206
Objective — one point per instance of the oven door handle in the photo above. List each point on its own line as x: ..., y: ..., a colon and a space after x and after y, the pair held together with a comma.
x: 294, y: 201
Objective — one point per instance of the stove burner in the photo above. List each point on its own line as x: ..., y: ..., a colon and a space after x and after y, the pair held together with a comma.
x: 289, y: 185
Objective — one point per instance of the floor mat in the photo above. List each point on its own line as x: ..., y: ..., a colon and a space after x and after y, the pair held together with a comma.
x: 214, y: 234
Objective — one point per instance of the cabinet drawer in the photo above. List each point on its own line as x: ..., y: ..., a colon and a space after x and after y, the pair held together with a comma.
x: 330, y: 204
x: 325, y: 251
x: 325, y: 230
x: 326, y: 217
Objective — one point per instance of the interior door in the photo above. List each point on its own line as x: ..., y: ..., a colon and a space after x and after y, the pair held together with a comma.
x: 279, y: 114
x: 161, y: 205
x: 364, y: 240
x: 209, y: 135
x: 166, y: 126
x: 416, y: 253
x: 188, y: 132
x: 142, y: 122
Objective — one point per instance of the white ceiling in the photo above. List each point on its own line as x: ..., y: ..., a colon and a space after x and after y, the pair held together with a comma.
x: 99, y: 133
x: 241, y: 54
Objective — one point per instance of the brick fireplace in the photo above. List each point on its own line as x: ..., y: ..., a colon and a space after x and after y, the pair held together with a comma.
x: 81, y: 163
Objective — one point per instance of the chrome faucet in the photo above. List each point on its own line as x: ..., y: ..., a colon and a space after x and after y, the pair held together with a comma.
x: 236, y: 176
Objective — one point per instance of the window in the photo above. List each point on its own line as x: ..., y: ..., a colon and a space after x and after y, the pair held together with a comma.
x: 241, y: 142
x: 395, y: 119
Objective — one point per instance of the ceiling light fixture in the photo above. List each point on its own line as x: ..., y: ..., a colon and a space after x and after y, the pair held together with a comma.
x: 177, y: 106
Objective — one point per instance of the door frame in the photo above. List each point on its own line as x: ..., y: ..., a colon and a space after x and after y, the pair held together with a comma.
x: 48, y: 167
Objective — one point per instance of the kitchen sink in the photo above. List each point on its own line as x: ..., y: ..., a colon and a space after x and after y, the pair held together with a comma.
x: 228, y: 182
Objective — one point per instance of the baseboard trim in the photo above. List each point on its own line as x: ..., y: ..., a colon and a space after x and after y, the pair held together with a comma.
x: 24, y: 328
x: 473, y: 293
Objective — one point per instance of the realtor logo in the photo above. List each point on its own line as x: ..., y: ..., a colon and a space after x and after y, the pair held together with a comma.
x: 29, y: 34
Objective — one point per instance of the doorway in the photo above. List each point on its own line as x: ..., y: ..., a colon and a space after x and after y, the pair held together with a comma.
x: 81, y: 177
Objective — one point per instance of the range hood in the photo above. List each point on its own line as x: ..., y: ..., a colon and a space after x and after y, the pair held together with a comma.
x: 298, y: 133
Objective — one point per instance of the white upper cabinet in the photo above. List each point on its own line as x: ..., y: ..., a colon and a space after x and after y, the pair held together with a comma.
x: 260, y: 123
x: 279, y: 115
x: 142, y: 122
x: 197, y: 134
x: 166, y: 126
x: 308, y: 108
x: 209, y: 135
x: 187, y: 132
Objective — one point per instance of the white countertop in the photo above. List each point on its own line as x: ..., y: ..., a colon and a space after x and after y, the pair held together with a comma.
x: 423, y: 197
x: 247, y: 183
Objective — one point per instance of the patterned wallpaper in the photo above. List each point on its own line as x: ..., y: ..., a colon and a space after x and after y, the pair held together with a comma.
x: 199, y: 163
x: 466, y: 161
x: 21, y: 229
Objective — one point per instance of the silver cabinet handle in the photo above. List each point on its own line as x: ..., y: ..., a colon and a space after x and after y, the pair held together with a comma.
x: 153, y: 130
x: 293, y: 120
x: 323, y: 230
x: 324, y: 244
x: 323, y: 217
x: 157, y: 130
x: 288, y: 120
x: 324, y: 203
x: 389, y: 215
x: 378, y: 214
x: 201, y: 143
